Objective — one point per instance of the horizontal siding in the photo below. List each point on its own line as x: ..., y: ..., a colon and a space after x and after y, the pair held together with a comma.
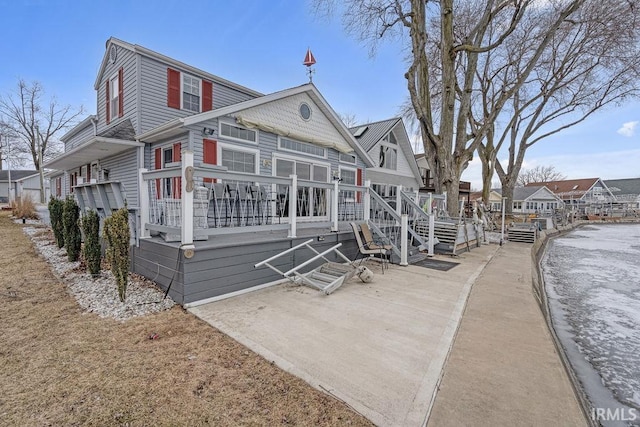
x: 127, y: 60
x: 124, y: 168
x: 380, y: 177
x: 153, y: 95
x: 83, y: 135
x: 226, y: 268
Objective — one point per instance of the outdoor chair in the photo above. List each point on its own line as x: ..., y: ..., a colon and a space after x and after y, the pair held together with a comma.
x: 369, y: 248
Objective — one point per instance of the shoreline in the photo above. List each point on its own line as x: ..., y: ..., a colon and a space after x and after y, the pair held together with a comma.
x: 538, y: 252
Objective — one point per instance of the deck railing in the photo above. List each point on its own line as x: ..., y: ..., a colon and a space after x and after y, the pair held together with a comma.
x: 187, y: 202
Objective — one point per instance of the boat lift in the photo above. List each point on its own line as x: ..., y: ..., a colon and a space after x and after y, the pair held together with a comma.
x: 326, y: 278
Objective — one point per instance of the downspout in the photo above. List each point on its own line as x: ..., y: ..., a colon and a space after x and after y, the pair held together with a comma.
x: 94, y: 122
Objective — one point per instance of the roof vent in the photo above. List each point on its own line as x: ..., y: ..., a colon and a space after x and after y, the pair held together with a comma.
x: 362, y: 129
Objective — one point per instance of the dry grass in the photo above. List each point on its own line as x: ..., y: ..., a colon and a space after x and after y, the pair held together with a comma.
x: 24, y: 208
x: 59, y: 366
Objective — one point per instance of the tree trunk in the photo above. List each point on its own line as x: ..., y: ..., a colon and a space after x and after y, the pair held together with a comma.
x: 452, y: 187
x: 507, y: 191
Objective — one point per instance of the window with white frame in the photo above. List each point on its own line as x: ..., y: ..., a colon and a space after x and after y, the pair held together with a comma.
x: 238, y: 160
x: 238, y: 132
x: 312, y: 201
x: 114, y: 96
x: 347, y: 158
x: 390, y: 138
x: 388, y: 157
x: 302, y: 147
x: 167, y: 157
x: 190, y: 93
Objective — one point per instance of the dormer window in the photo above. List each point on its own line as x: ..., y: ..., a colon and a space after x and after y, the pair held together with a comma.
x: 390, y: 138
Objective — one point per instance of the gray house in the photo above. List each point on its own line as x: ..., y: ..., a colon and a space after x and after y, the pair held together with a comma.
x: 22, y: 182
x: 216, y: 176
x: 535, y: 200
x: 388, y: 145
x: 625, y: 191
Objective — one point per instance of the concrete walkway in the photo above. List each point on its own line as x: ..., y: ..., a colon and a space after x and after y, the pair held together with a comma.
x: 380, y: 347
x: 503, y: 369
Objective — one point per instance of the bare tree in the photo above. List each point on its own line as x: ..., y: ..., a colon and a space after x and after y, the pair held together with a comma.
x: 539, y: 173
x: 349, y: 119
x: 446, y: 42
x: 33, y: 123
x: 591, y: 63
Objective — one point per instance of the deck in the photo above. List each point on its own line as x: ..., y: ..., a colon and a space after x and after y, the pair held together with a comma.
x: 224, y: 264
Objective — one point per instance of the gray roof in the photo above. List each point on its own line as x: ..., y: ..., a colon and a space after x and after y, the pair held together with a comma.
x: 521, y: 193
x: 16, y: 174
x: 123, y: 130
x: 627, y: 186
x: 374, y: 133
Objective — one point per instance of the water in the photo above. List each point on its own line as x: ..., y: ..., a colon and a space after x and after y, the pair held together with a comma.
x: 592, y: 279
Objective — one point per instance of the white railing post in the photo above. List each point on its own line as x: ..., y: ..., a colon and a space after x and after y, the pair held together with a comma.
x: 404, y: 242
x: 334, y: 206
x: 293, y: 199
x: 143, y: 185
x: 432, y: 234
x: 186, y: 228
x: 367, y: 200
x: 399, y: 200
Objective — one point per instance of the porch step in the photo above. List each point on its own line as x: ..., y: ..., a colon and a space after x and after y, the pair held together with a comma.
x: 523, y: 235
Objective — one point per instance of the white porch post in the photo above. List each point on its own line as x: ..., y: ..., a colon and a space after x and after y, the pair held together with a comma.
x: 367, y: 200
x: 186, y: 230
x: 143, y: 185
x: 399, y: 200
x: 293, y: 198
x: 432, y: 225
x: 334, y: 206
x: 404, y: 243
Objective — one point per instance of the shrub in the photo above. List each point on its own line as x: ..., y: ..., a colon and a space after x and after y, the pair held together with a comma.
x: 56, y: 208
x: 72, y: 236
x: 24, y: 207
x: 92, y: 250
x: 117, y: 234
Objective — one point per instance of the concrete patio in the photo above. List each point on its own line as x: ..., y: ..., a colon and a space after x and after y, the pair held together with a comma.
x: 380, y: 347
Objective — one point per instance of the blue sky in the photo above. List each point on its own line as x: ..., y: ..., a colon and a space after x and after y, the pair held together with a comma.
x: 261, y: 44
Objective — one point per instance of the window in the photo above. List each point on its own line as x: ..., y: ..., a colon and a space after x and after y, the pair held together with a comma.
x: 302, y: 147
x: 237, y: 132
x: 348, y: 176
x: 390, y: 138
x: 305, y: 111
x: 311, y: 201
x: 190, y: 93
x: 238, y: 161
x: 167, y: 156
x: 347, y: 158
x: 114, y: 91
x: 517, y: 206
x: 388, y: 157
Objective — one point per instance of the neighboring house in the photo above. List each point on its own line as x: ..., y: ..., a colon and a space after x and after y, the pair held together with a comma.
x: 626, y: 191
x: 495, y: 199
x: 576, y: 192
x: 29, y: 186
x: 535, y: 200
x: 427, y: 184
x: 152, y: 109
x: 21, y: 183
x: 388, y: 145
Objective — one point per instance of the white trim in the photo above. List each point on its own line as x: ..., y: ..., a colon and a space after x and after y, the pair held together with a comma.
x: 300, y: 153
x: 233, y: 147
x: 234, y: 294
x: 233, y: 123
x: 355, y: 175
x: 285, y: 156
x: 355, y: 160
x: 182, y: 75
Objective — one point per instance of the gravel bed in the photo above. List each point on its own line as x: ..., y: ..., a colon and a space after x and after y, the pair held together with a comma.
x: 98, y: 295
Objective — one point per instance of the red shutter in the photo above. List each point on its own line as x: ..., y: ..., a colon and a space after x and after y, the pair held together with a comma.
x: 88, y: 172
x: 207, y: 96
x: 107, y: 104
x: 173, y: 88
x: 158, y: 166
x: 210, y: 154
x: 359, y: 183
x: 58, y: 186
x: 177, y: 182
x: 120, y: 92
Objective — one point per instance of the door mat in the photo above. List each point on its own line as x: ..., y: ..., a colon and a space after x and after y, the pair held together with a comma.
x: 436, y: 264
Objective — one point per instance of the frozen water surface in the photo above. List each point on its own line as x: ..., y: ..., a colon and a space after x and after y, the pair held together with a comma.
x: 592, y: 278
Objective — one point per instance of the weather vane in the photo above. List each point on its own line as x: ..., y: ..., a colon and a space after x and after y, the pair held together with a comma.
x: 309, y: 60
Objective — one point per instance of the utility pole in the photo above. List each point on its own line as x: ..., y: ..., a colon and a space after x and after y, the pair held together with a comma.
x: 40, y: 154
